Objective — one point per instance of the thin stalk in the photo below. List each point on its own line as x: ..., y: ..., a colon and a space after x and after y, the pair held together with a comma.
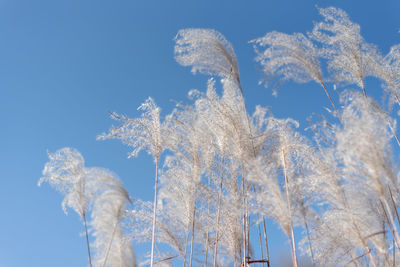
x: 259, y: 235
x: 308, y: 235
x: 354, y: 262
x: 329, y: 96
x: 397, y: 98
x: 394, y: 133
x: 371, y: 258
x: 391, y: 230
x: 248, y: 235
x: 398, y: 219
x: 154, y: 216
x: 186, y: 245
x: 293, y: 244
x: 359, y: 257
x: 218, y: 218
x: 244, y: 221
x: 392, y: 222
x: 167, y: 259
x: 109, y: 244
x: 364, y: 92
x: 388, y: 222
x: 365, y: 244
x: 191, y: 245
x: 206, y: 253
x: 394, y: 204
x: 207, y: 235
x: 243, y: 179
x: 394, y: 253
x: 87, y: 239
x: 266, y: 242
x: 309, y: 243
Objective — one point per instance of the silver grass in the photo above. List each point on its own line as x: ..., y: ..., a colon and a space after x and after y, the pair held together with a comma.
x: 66, y: 172
x: 267, y: 169
x: 351, y: 180
x: 226, y: 119
x: 348, y: 228
x: 365, y: 150
x: 230, y: 224
x: 364, y: 142
x: 288, y: 57
x: 184, y: 171
x: 179, y: 192
x: 278, y: 174
x: 208, y: 52
x: 351, y: 234
x: 210, y: 114
x: 111, y: 246
x: 94, y: 190
x: 148, y: 133
x: 169, y: 228
x: 225, y: 167
x: 226, y: 123
x: 233, y: 132
x: 388, y: 70
x: 350, y: 58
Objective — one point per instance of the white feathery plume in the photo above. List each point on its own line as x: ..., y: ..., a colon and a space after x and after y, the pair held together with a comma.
x: 66, y: 172
x: 170, y: 230
x: 350, y: 58
x: 364, y: 142
x: 288, y: 57
x: 208, y: 52
x: 146, y: 132
x: 226, y: 120
x: 388, y: 70
x: 111, y: 246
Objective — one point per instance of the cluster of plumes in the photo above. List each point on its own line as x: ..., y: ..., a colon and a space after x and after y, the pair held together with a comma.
x: 96, y: 192
x: 347, y: 190
x: 223, y: 171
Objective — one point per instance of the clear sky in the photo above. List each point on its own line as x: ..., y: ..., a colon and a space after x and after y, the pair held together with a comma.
x: 64, y: 64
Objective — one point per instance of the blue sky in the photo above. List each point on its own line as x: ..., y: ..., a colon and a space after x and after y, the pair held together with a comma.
x: 64, y: 64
